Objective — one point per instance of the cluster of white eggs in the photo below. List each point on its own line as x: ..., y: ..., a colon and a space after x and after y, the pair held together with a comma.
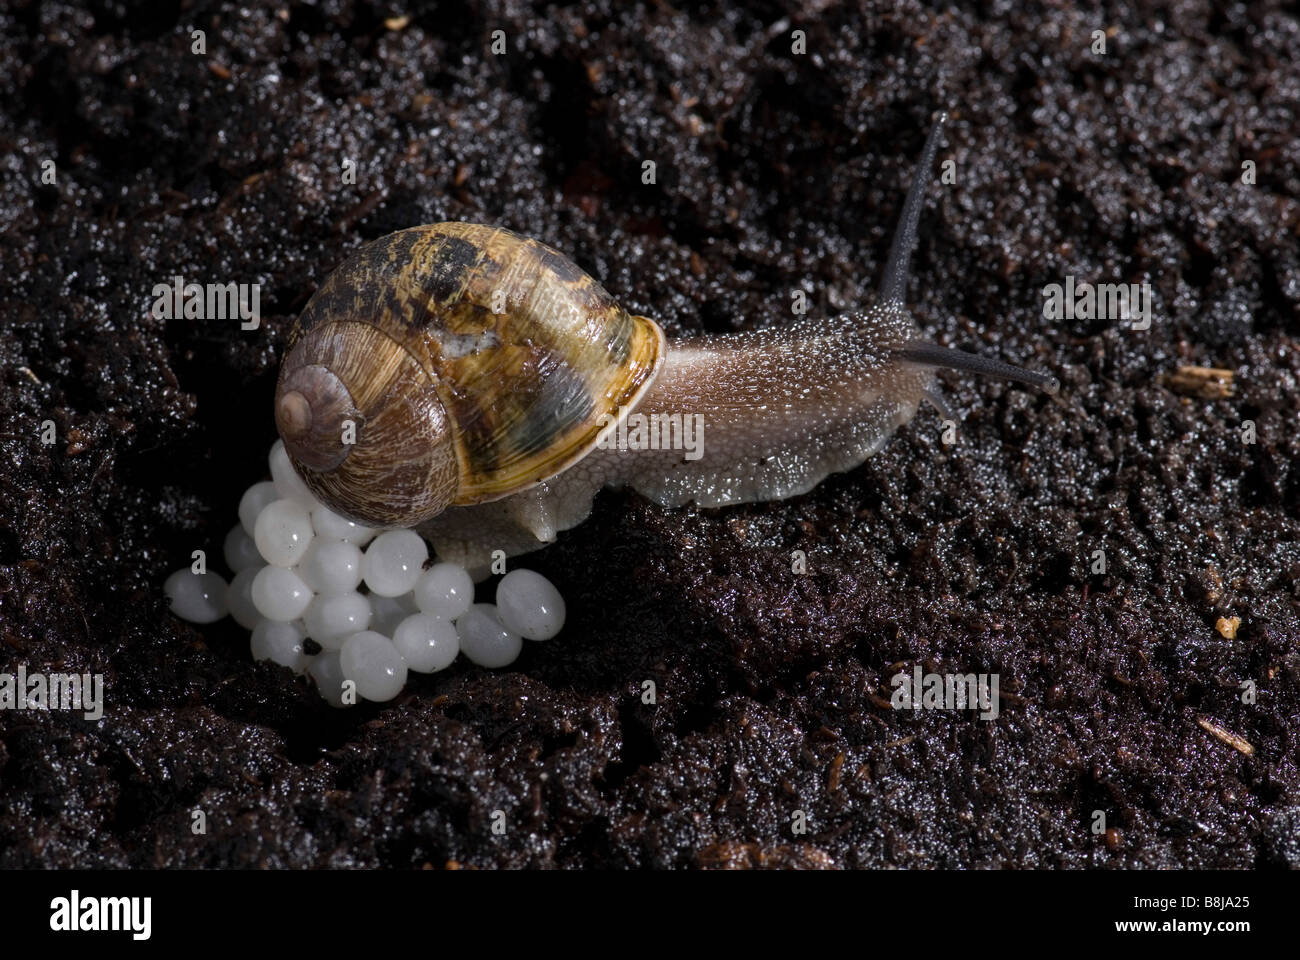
x: 298, y: 570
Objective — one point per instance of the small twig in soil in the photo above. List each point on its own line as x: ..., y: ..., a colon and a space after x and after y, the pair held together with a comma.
x: 1227, y: 736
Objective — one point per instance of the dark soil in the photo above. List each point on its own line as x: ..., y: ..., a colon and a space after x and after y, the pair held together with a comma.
x: 775, y: 171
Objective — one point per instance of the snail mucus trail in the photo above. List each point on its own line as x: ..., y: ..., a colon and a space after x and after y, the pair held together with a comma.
x: 457, y: 378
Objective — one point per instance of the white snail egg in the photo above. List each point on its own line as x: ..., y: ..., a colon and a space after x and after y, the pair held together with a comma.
x: 393, y: 562
x: 326, y: 670
x: 426, y: 643
x: 196, y: 597
x: 387, y: 612
x: 239, y: 598
x: 330, y: 524
x: 280, y: 594
x: 286, y: 479
x: 371, y: 661
x: 280, y: 643
x: 332, y: 619
x: 444, y: 590
x: 311, y: 589
x: 484, y: 639
x: 240, y: 551
x: 331, y: 566
x: 529, y: 604
x: 283, y: 532
x: 255, y: 499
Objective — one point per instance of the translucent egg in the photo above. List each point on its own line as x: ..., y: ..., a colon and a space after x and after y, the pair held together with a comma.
x: 240, y: 551
x: 283, y: 532
x: 280, y: 594
x: 239, y: 598
x: 196, y: 597
x: 287, y: 481
x: 485, y: 640
x: 371, y: 661
x: 330, y: 620
x: 529, y: 604
x: 331, y: 566
x: 280, y: 643
x: 330, y: 524
x: 393, y: 561
x: 328, y: 674
x: 255, y: 499
x: 388, y: 612
x: 444, y: 590
x: 426, y: 643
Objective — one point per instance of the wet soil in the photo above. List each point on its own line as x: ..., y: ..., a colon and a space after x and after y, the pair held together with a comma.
x: 775, y: 171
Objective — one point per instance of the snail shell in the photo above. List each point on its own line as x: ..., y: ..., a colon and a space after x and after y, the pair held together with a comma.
x: 472, y: 363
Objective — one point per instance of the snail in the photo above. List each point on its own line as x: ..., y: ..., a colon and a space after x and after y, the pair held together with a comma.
x: 464, y: 380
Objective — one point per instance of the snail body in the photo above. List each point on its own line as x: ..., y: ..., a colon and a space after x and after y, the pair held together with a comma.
x: 460, y: 379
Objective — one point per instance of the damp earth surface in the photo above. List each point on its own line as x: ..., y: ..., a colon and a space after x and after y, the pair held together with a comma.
x: 1121, y: 691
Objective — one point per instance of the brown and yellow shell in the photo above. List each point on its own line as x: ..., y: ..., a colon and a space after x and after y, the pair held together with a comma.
x: 473, y: 363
